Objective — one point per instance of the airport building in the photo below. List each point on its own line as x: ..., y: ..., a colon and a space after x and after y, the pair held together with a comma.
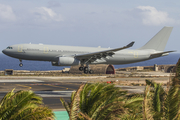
x: 97, y: 69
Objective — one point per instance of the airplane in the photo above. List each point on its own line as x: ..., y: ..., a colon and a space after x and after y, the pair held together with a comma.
x: 83, y: 56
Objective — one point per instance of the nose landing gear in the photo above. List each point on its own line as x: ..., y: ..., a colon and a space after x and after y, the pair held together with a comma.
x: 20, y: 64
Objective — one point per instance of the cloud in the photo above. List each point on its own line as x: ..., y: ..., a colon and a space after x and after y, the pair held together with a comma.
x: 6, y: 13
x: 46, y: 14
x: 53, y: 4
x: 151, y: 16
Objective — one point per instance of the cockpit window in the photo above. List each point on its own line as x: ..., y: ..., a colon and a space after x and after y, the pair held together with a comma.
x: 9, y: 48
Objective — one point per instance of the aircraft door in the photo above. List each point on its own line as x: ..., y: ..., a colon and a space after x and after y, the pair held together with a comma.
x: 46, y: 49
x: 135, y: 54
x: 20, y: 48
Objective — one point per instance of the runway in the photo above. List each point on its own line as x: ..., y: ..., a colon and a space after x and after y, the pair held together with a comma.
x: 52, y: 88
x: 48, y: 90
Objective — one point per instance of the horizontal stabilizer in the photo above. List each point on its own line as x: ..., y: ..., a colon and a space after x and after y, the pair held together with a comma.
x: 160, y: 54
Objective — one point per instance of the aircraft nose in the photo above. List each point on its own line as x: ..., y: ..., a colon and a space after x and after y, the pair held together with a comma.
x: 4, y: 51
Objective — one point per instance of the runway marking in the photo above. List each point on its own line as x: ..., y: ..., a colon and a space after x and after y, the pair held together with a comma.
x: 56, y: 86
x: 49, y: 92
x: 52, y: 84
x: 54, y: 93
x: 23, y: 86
x: 73, y: 81
x: 25, y: 80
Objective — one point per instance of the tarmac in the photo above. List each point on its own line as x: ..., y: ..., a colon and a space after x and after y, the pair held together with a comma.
x: 52, y: 88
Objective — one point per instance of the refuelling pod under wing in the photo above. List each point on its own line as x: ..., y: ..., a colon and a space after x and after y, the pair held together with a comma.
x: 66, y: 61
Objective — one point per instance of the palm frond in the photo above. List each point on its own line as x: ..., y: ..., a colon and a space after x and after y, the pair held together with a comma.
x: 85, y: 116
x: 150, y: 83
x: 116, y: 111
x: 84, y: 97
x: 8, y: 95
x: 156, y: 100
x: 72, y: 95
x: 67, y: 107
x: 99, y: 94
x: 17, y: 105
x: 173, y: 103
x: 37, y: 113
x: 158, y: 97
x: 74, y: 109
x: 104, y: 104
x: 147, y: 115
x: 133, y: 101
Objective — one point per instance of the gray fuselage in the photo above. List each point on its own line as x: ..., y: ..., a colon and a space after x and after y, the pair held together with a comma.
x: 40, y: 52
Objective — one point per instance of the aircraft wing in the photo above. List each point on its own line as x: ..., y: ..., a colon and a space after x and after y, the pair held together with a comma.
x: 160, y: 54
x: 91, y: 57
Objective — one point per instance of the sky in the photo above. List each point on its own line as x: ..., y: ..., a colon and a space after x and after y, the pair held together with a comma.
x: 92, y: 23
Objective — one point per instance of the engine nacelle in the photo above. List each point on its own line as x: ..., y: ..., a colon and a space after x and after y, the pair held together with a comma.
x: 66, y: 61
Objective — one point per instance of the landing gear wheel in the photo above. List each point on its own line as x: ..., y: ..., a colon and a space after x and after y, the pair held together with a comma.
x: 86, y: 71
x: 20, y: 64
x: 90, y: 72
x: 81, y: 68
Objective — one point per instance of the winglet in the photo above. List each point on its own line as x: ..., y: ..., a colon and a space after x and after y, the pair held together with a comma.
x: 130, y: 44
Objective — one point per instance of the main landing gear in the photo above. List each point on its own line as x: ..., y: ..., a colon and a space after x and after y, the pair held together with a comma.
x: 86, y: 69
x: 20, y: 64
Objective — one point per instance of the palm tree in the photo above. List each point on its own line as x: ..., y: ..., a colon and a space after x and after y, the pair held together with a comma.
x: 101, y: 102
x: 176, y: 79
x: 160, y: 104
x: 23, y: 105
x: 105, y: 102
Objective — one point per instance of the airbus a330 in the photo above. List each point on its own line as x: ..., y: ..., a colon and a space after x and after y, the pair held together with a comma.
x: 83, y: 56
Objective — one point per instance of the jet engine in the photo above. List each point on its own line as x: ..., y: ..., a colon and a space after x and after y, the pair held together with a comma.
x: 66, y: 61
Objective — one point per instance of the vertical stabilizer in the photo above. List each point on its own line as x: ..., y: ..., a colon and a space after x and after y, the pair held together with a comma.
x: 159, y: 41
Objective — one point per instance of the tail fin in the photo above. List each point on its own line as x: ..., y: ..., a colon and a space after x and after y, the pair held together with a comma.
x: 159, y: 41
